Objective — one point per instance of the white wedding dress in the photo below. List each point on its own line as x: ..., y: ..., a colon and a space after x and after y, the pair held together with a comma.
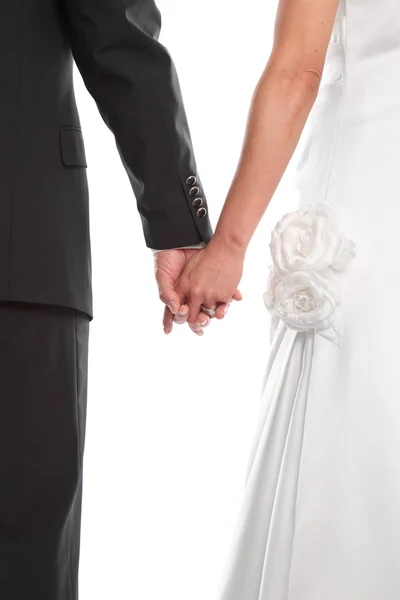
x: 321, y: 513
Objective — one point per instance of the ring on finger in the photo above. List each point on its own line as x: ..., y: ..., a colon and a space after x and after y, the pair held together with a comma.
x: 209, y: 311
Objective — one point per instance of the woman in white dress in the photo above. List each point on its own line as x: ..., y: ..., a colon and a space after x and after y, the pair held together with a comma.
x: 321, y: 514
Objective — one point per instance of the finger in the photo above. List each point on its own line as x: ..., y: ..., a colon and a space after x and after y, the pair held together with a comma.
x: 221, y: 311
x: 197, y: 329
x: 167, y: 321
x: 171, y: 299
x: 204, y: 314
x: 203, y: 320
x: 237, y: 296
x: 194, y: 309
x: 182, y: 315
x: 166, y: 291
x: 168, y: 295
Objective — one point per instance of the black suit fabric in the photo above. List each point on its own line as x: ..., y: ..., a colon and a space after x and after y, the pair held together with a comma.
x: 43, y: 391
x: 45, y: 252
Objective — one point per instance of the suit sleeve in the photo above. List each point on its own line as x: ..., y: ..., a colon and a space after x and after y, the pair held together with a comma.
x: 132, y: 78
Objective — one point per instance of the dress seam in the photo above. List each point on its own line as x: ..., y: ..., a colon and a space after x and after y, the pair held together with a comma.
x: 340, y: 111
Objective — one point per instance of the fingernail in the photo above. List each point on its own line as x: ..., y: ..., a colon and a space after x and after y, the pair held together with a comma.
x: 183, y: 312
x: 172, y: 307
x: 226, y: 309
x: 203, y: 323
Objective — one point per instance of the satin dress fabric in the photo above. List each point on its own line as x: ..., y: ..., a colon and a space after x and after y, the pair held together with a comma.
x: 320, y: 518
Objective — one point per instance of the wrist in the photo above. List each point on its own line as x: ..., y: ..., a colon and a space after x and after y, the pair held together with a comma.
x: 228, y: 244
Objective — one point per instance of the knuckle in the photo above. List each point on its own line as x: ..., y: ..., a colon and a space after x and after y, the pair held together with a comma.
x: 197, y: 289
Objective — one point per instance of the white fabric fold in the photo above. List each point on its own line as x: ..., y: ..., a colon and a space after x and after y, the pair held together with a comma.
x: 259, y: 565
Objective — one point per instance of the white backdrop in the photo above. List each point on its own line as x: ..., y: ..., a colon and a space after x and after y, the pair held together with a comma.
x: 170, y: 420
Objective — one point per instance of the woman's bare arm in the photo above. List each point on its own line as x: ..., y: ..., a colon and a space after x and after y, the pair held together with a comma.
x: 281, y: 104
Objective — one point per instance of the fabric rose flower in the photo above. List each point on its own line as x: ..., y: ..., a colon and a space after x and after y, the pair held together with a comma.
x: 308, y: 250
x: 306, y: 300
x: 310, y: 239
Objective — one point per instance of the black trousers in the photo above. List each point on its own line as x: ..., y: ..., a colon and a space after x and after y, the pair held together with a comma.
x: 43, y: 391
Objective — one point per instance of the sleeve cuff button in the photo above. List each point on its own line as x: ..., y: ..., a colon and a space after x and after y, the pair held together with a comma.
x: 201, y: 213
x: 197, y: 202
x: 194, y: 191
x: 191, y: 180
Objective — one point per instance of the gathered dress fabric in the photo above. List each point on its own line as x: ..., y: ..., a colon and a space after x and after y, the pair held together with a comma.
x: 320, y: 518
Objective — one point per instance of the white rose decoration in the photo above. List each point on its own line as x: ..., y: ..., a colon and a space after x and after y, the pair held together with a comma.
x: 305, y: 300
x: 310, y: 239
x: 308, y: 249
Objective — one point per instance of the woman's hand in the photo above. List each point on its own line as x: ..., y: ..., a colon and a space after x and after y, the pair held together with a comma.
x: 210, y: 278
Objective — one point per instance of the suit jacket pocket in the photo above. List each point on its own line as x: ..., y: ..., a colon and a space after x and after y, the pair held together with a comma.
x: 72, y: 147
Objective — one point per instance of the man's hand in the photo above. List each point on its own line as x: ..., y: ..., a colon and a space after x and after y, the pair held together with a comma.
x: 169, y: 265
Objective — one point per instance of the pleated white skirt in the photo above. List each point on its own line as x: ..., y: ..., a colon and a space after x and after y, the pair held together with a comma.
x: 260, y: 563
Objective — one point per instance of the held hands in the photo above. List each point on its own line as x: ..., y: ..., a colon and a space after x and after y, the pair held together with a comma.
x: 189, y: 280
x: 169, y: 265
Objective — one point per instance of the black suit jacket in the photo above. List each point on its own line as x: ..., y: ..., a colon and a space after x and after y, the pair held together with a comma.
x: 44, y: 215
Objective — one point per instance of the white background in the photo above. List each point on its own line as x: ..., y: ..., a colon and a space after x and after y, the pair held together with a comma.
x: 170, y: 420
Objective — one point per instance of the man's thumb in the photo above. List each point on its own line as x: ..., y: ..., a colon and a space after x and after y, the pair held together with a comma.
x: 171, y: 299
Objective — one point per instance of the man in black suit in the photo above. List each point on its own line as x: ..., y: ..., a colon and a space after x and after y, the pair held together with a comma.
x: 45, y: 268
